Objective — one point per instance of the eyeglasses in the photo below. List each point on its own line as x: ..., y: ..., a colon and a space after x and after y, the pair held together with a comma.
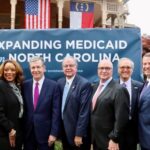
x: 70, y: 66
x: 125, y: 67
x: 104, y: 68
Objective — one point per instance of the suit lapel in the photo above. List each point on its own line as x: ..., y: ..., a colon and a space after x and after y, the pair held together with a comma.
x: 31, y: 99
x: 72, y: 88
x: 103, y: 93
x: 94, y: 89
x: 134, y: 94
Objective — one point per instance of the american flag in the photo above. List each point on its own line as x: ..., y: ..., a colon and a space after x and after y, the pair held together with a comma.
x: 37, y: 14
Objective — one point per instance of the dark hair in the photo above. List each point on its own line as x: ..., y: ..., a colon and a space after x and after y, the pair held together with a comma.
x: 19, y: 71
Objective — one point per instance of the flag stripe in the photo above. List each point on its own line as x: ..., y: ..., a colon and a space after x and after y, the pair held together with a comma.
x: 87, y: 20
x: 75, y: 19
x: 81, y: 15
x: 37, y: 14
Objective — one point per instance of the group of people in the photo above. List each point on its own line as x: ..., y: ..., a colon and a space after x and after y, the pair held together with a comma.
x: 109, y: 115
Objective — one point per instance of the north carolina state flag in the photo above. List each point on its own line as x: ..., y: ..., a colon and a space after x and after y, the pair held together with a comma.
x: 81, y: 14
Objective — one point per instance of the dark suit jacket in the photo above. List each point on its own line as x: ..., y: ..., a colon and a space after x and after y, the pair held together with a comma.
x: 129, y: 138
x: 136, y: 88
x: 77, y: 108
x: 110, y: 115
x: 9, y: 112
x: 46, y: 117
x: 144, y: 118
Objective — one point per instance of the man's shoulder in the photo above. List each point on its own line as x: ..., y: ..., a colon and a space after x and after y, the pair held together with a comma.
x: 81, y: 79
x: 50, y: 81
x: 27, y: 81
x: 137, y: 83
x: 60, y: 80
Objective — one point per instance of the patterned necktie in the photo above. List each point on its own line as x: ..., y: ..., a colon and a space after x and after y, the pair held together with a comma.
x: 36, y: 94
x: 130, y: 103
x: 97, y: 93
x: 124, y: 85
x: 65, y: 93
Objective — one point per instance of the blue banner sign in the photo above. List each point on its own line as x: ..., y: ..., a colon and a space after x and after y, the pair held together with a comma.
x: 88, y: 46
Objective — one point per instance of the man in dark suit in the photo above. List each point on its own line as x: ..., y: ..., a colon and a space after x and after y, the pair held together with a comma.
x: 76, y: 93
x: 110, y: 110
x: 42, y: 108
x: 144, y: 107
x: 129, y: 138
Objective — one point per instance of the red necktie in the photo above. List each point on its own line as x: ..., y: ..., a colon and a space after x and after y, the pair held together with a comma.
x: 36, y: 94
x: 97, y: 93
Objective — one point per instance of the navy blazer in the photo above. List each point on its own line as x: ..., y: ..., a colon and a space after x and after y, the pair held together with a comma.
x: 77, y: 108
x: 144, y: 118
x: 46, y: 117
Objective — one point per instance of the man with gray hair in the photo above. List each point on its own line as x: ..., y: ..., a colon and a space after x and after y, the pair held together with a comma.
x: 42, y: 108
x: 75, y: 110
x: 129, y: 139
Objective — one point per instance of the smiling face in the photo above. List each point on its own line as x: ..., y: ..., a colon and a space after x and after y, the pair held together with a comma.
x: 37, y: 69
x: 105, y: 69
x: 125, y: 69
x: 69, y: 67
x: 146, y: 66
x: 9, y: 72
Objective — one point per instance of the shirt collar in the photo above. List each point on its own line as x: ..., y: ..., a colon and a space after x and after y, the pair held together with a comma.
x: 148, y: 79
x: 40, y: 81
x: 126, y: 82
x: 106, y: 82
x: 70, y: 80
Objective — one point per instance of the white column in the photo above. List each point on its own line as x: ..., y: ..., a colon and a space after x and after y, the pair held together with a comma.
x: 13, y: 13
x: 104, y: 13
x: 60, y: 5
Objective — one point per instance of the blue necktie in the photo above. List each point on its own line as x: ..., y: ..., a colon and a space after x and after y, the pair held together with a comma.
x: 65, y: 93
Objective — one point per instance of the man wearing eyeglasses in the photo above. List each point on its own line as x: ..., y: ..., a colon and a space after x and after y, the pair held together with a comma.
x: 75, y: 110
x: 110, y: 111
x: 129, y: 139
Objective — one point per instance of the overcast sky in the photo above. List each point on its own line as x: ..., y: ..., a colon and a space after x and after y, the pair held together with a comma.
x: 140, y: 14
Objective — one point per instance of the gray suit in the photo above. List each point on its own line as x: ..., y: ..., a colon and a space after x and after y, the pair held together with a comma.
x: 110, y: 115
